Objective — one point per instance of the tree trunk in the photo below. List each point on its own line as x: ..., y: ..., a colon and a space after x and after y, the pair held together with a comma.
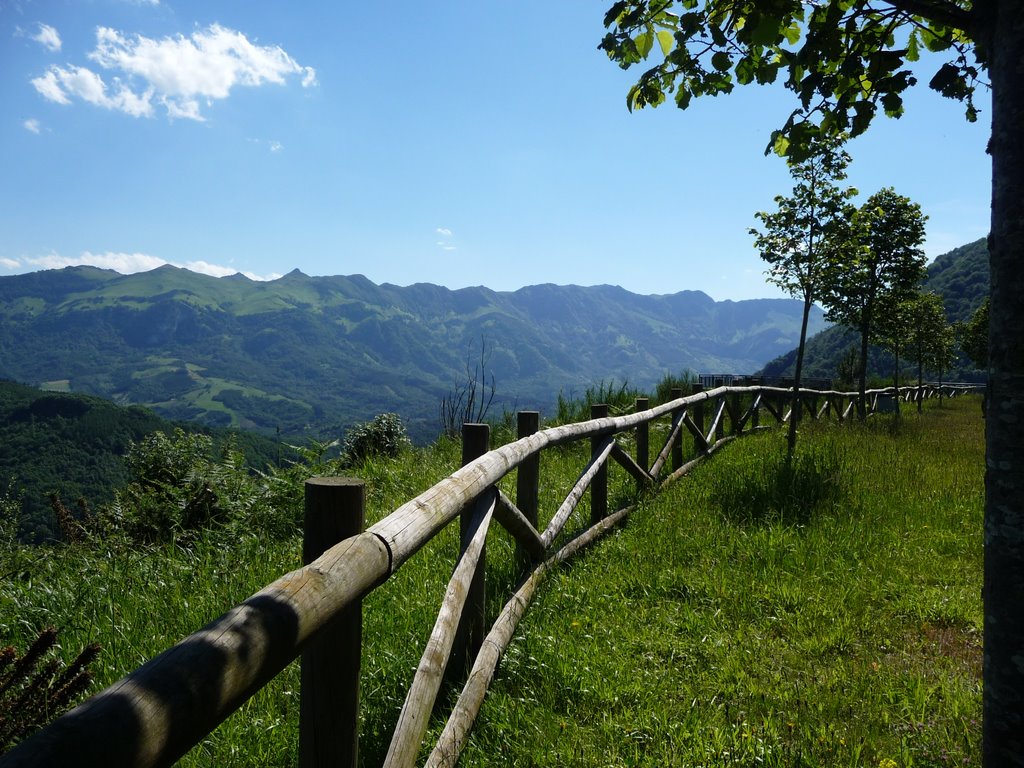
x: 896, y: 378
x: 797, y: 405
x: 862, y: 383
x: 1003, y: 723
x: 920, y: 378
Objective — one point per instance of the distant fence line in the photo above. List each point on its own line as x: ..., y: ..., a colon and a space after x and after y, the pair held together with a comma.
x: 155, y: 714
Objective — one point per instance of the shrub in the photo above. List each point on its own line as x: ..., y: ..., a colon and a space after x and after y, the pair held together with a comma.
x: 179, y: 488
x: 384, y: 435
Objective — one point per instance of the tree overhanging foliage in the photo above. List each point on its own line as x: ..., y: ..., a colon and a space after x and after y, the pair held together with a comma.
x: 845, y: 60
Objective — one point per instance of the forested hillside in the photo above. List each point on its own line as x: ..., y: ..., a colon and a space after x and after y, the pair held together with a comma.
x: 960, y: 276
x: 74, y: 446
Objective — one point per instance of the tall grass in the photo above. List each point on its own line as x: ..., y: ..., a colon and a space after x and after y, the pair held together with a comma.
x: 724, y: 624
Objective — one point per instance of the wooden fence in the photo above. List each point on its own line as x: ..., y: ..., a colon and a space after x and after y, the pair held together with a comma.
x: 157, y: 713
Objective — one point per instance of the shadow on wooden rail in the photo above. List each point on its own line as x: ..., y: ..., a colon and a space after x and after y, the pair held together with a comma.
x: 157, y: 713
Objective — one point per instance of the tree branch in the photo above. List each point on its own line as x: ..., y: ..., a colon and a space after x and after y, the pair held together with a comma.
x: 939, y: 11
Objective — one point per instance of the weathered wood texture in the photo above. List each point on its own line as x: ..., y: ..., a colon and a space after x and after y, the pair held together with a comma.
x: 419, y: 702
x: 329, y: 695
x: 599, y: 485
x: 527, y: 484
x: 476, y: 441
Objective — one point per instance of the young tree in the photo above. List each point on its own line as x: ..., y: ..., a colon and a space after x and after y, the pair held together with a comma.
x: 843, y: 59
x: 893, y: 330
x: 931, y: 337
x: 974, y: 336
x: 803, y: 240
x: 883, y: 271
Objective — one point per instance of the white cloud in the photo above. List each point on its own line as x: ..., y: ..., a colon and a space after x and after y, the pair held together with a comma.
x: 445, y: 244
x: 126, y: 264
x: 48, y: 37
x: 49, y: 87
x: 32, y: 125
x: 276, y: 146
x: 59, y: 83
x: 176, y: 72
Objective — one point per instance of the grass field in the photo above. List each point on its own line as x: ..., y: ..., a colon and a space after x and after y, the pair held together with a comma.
x: 727, y: 623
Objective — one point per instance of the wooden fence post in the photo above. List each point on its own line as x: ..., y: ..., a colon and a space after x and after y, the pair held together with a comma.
x: 643, y: 441
x: 476, y: 441
x: 720, y: 428
x: 599, y: 485
x: 329, y: 694
x: 698, y: 420
x: 527, y: 479
x: 677, y: 447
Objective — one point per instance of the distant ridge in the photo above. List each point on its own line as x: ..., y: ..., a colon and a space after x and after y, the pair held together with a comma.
x: 315, y: 354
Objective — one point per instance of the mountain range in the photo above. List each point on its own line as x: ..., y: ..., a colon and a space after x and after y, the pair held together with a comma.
x: 313, y: 355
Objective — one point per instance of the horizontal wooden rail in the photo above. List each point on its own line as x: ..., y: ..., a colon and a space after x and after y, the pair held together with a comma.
x: 159, y: 711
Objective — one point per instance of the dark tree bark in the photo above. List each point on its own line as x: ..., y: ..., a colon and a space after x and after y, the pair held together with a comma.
x: 796, y: 412
x: 1001, y: 27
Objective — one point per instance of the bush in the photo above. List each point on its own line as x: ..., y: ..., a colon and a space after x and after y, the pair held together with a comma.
x: 383, y: 436
x: 179, y: 488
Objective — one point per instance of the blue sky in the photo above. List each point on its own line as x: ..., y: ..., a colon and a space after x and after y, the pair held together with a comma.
x: 452, y: 142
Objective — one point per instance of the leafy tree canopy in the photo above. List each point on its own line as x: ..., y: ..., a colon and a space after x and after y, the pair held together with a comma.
x: 844, y: 59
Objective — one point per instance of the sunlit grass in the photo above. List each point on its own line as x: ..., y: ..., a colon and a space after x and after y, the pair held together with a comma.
x: 724, y: 624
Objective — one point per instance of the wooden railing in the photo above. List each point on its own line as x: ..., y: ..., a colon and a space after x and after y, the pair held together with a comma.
x: 157, y: 713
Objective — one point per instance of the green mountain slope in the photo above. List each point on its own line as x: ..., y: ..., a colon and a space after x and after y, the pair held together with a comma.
x: 317, y: 354
x: 74, y: 446
x: 960, y: 276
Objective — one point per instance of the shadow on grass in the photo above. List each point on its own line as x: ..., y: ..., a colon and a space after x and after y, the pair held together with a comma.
x: 771, y: 490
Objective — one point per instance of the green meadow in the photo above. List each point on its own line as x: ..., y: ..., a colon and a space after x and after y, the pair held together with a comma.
x: 821, y: 613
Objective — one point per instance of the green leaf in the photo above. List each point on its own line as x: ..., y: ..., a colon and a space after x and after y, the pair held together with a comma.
x: 745, y: 70
x: 863, y: 112
x: 721, y: 61
x: 913, y: 47
x: 893, y: 104
x: 644, y: 42
x: 614, y: 13
x: 780, y: 144
x: 631, y: 97
x: 666, y: 41
x: 766, y: 73
x: 792, y: 33
x: 767, y: 31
